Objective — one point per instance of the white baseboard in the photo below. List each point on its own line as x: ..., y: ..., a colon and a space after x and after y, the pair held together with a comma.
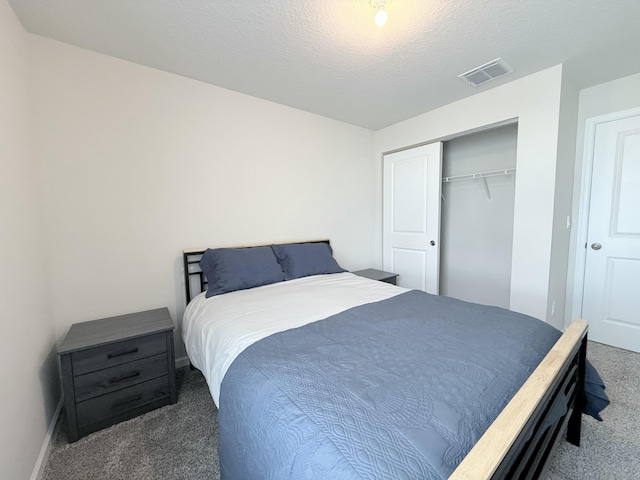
x: 38, y: 469
x: 182, y: 362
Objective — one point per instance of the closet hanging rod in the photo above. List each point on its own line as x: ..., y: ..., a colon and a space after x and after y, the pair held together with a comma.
x: 471, y: 176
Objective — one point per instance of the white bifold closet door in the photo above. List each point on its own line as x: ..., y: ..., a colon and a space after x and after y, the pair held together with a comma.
x: 411, y: 216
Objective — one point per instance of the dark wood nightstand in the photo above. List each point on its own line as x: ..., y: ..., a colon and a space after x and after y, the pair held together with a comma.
x: 117, y: 368
x: 379, y: 275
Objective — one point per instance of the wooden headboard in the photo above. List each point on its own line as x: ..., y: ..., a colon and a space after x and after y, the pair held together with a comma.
x: 195, y: 281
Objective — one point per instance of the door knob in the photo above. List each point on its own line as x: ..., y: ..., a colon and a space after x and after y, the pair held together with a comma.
x: 433, y: 243
x: 596, y: 246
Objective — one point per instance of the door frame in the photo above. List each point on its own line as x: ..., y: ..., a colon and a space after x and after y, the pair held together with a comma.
x: 582, y: 227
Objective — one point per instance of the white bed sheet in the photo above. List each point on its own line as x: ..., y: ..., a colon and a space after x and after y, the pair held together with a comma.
x: 216, y: 330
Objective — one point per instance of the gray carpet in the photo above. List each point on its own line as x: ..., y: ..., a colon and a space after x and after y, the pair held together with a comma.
x: 176, y: 442
x: 180, y: 441
x: 609, y: 449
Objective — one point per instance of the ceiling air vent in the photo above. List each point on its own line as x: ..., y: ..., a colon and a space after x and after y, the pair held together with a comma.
x: 493, y: 69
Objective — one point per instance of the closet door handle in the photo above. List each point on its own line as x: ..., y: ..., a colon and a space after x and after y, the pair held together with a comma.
x: 596, y: 246
x: 432, y: 243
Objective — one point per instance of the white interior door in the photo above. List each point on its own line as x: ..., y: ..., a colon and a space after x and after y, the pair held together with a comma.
x: 411, y: 216
x: 611, y: 295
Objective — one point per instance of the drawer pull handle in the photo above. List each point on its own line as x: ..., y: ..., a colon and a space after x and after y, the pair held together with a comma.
x: 128, y: 351
x: 122, y: 378
x: 122, y: 403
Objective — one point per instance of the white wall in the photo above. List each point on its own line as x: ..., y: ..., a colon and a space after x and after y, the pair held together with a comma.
x: 616, y: 96
x: 477, y: 232
x: 139, y: 164
x: 562, y: 205
x: 27, y: 345
x: 535, y: 101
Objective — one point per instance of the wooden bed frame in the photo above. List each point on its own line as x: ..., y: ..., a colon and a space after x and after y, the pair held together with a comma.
x: 519, y: 442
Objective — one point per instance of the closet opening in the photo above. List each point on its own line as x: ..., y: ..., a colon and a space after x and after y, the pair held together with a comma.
x: 478, y: 195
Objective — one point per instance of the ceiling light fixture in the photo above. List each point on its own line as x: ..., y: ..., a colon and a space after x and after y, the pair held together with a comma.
x: 381, y: 12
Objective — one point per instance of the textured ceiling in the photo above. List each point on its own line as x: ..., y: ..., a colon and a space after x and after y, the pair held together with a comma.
x: 328, y: 56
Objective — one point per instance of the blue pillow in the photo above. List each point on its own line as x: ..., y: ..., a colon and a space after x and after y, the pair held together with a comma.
x: 231, y: 269
x: 304, y: 259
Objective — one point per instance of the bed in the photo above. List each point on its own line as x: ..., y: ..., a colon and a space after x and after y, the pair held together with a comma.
x: 338, y: 376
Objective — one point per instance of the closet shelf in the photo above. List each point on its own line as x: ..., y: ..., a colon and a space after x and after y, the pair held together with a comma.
x: 482, y: 176
x: 471, y: 176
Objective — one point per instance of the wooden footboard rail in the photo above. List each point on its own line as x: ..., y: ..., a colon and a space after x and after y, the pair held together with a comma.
x: 519, y: 441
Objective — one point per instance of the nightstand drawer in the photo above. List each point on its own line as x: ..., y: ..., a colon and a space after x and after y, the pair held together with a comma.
x: 126, y: 403
x: 85, y: 361
x: 121, y: 376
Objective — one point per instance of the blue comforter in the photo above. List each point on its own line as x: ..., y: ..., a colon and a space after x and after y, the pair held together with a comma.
x: 398, y: 389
